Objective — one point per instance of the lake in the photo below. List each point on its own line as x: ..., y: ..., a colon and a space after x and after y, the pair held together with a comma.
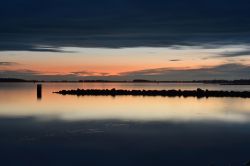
x: 122, y: 130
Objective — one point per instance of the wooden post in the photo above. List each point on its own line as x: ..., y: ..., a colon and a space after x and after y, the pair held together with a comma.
x: 39, y: 91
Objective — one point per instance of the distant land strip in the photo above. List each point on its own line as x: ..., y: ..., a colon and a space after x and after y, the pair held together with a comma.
x: 199, y: 93
x: 220, y: 82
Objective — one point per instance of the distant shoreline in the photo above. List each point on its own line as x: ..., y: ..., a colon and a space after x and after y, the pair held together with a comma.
x: 220, y: 82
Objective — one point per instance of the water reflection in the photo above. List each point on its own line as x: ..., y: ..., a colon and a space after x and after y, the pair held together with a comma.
x: 18, y: 100
x: 122, y: 130
x: 27, y: 141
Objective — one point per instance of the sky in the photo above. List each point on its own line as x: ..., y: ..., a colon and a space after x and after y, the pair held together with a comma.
x: 125, y: 39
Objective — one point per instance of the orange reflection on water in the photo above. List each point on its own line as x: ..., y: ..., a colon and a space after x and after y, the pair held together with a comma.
x: 21, y: 101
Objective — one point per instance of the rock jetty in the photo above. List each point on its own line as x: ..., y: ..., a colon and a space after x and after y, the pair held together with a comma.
x: 199, y: 93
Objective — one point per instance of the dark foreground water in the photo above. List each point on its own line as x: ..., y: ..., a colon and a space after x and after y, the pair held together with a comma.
x: 71, y: 130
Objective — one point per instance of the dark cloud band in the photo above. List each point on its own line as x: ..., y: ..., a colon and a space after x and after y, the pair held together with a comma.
x: 122, y: 23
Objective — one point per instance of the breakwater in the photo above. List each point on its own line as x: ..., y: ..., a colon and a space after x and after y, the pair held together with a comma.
x: 168, y: 93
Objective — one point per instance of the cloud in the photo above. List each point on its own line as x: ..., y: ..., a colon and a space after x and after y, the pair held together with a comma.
x: 36, y: 75
x: 150, y: 72
x: 18, y: 43
x: 23, y: 72
x: 123, y: 23
x: 90, y: 73
x: 8, y: 63
x: 225, y: 71
x: 236, y: 53
x: 175, y: 60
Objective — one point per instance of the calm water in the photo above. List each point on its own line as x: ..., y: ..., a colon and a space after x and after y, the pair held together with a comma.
x: 122, y: 130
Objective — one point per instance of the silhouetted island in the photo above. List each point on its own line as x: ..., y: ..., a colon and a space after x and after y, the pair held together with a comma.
x: 170, y: 93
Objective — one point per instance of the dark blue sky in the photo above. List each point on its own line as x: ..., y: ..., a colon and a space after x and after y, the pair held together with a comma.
x: 122, y: 23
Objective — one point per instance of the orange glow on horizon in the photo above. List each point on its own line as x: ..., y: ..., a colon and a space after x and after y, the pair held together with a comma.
x: 104, y: 62
x: 109, y: 69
